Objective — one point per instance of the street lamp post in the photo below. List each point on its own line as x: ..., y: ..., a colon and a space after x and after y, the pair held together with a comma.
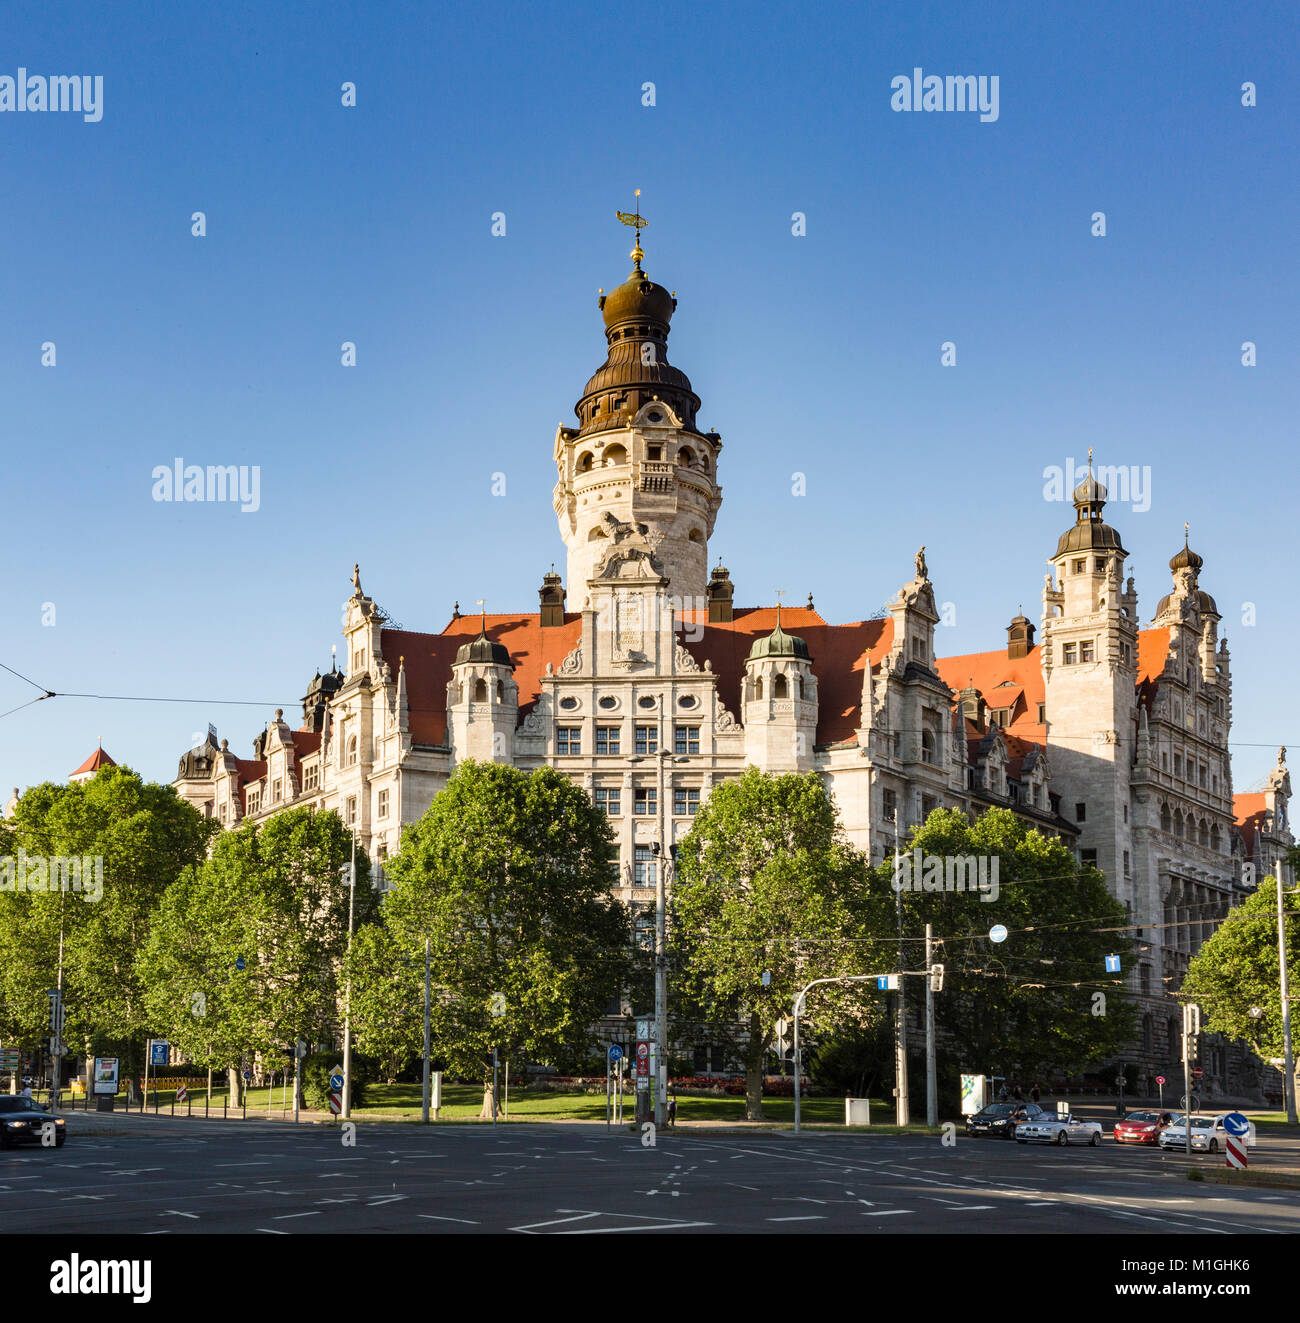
x: 1288, y: 1058
x: 347, y: 996
x: 660, y: 1082
x: 424, y: 1100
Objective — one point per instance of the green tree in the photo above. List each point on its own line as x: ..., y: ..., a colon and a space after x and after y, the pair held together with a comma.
x: 1026, y: 1004
x: 767, y: 883
x: 143, y: 838
x: 274, y: 895
x: 1236, y: 970
x: 508, y: 877
x: 387, y: 999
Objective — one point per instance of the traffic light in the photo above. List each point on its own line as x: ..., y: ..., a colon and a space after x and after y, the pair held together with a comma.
x: 936, y: 978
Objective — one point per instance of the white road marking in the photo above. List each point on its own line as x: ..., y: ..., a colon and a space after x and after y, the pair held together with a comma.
x: 889, y: 1212
x: 433, y: 1217
x: 385, y: 1199
x: 284, y: 1217
x: 809, y: 1217
x: 175, y: 1212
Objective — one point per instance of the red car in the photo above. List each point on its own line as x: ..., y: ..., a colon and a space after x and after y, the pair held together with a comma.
x: 1142, y: 1127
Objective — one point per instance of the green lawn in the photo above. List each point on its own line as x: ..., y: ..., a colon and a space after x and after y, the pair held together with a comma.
x: 463, y: 1102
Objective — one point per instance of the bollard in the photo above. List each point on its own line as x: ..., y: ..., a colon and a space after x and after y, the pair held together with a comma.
x: 189, y: 1106
x: 225, y: 1098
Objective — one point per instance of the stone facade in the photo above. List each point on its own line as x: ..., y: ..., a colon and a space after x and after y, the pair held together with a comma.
x: 657, y: 687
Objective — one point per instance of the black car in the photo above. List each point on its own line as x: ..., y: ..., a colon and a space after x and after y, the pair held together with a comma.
x: 23, y: 1121
x: 1000, y: 1119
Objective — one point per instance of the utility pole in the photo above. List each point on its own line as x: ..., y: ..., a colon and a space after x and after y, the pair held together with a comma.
x: 931, y: 1071
x: 347, y: 996
x: 1191, y: 1027
x: 1288, y: 1058
x: 903, y: 1114
x: 660, y: 1082
x: 424, y: 1100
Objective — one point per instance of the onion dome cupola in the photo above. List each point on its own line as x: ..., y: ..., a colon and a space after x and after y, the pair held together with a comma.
x: 1186, y: 565
x: 1090, y: 531
x: 779, y: 703
x: 482, y: 701
x: 779, y: 644
x: 638, y: 316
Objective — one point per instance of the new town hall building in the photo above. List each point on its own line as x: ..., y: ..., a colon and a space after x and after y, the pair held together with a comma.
x: 637, y: 675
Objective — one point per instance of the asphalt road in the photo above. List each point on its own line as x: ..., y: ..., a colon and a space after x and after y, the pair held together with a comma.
x: 159, y: 1176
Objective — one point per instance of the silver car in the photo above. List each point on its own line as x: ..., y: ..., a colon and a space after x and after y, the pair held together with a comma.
x: 1048, y: 1129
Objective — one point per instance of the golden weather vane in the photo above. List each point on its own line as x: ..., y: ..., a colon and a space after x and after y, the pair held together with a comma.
x: 639, y: 223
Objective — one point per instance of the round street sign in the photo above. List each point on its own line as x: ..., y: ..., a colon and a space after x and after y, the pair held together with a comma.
x: 239, y: 962
x: 336, y: 1080
x: 781, y: 1026
x: 1160, y: 1079
x: 643, y: 1050
x: 998, y: 933
x: 615, y: 1052
x: 1236, y: 1124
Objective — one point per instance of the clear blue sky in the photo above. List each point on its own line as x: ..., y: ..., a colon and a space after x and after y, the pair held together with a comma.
x: 817, y: 354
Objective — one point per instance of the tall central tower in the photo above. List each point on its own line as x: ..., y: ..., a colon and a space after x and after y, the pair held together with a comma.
x: 637, y: 463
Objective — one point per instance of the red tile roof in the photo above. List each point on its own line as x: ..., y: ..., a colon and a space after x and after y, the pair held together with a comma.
x: 839, y: 653
x: 429, y: 659
x: 305, y: 742
x: 96, y: 760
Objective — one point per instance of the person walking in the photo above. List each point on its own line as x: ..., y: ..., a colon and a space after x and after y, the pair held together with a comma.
x: 1018, y: 1094
x: 1002, y: 1092
x: 1035, y: 1093
x: 672, y: 1112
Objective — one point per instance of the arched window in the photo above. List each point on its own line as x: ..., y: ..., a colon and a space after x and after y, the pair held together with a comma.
x: 480, y: 691
x: 584, y: 462
x: 1214, y: 837
x: 1203, y: 836
x: 686, y: 456
x: 1178, y: 825
x: 927, y: 748
x: 352, y: 751
x: 615, y: 455
x: 780, y: 689
x: 1166, y: 821
x: 596, y: 534
x: 501, y: 692
x: 758, y: 687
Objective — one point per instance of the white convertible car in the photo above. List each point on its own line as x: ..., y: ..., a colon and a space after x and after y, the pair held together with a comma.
x: 1048, y: 1129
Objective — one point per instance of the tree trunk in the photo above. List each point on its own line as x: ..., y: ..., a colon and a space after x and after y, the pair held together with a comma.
x: 754, y: 1070
x: 234, y: 1083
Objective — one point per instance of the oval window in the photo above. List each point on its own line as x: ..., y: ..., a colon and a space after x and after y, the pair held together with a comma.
x: 568, y: 704
x: 654, y: 416
x: 686, y: 700
x: 645, y: 702
x: 608, y: 703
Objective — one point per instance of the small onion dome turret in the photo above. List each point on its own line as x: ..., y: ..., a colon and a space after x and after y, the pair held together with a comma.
x: 779, y: 644
x: 1090, y: 532
x: 484, y: 652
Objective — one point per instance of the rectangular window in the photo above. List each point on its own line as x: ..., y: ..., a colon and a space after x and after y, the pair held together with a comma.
x: 686, y: 801
x: 350, y: 815
x: 889, y: 805
x: 645, y: 802
x: 1085, y: 651
x: 614, y: 870
x: 381, y: 809
x: 928, y: 805
x: 687, y: 739
x: 1088, y: 858
x: 277, y: 790
x: 1070, y: 654
x: 568, y: 739
x: 1164, y: 761
x: 1099, y: 565
x: 254, y: 801
x: 1127, y: 872
x: 1178, y: 764
x: 643, y: 868
x: 221, y: 815
x: 1204, y: 771
x: 610, y: 798
x: 1081, y: 813
x: 1080, y: 566
x: 1042, y: 713
x: 647, y: 739
x: 607, y: 739
x: 311, y: 777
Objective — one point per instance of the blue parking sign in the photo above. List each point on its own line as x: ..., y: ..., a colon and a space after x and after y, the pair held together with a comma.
x: 1112, y: 964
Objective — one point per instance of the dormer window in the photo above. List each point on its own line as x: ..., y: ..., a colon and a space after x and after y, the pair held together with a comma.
x: 654, y: 452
